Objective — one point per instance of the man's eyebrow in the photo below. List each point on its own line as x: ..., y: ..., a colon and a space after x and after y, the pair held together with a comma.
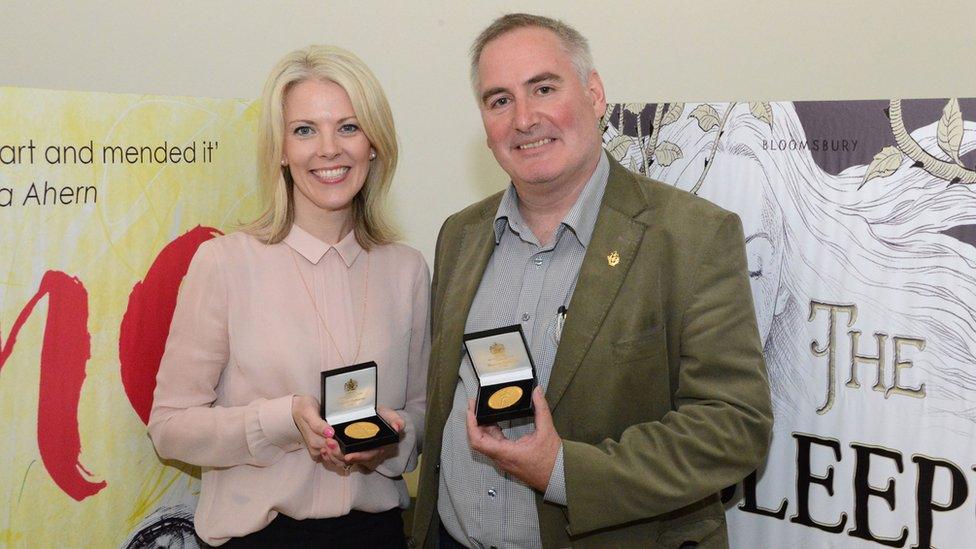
x: 490, y: 92
x: 541, y: 77
x: 544, y: 77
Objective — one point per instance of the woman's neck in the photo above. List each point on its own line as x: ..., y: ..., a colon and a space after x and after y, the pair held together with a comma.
x: 328, y: 226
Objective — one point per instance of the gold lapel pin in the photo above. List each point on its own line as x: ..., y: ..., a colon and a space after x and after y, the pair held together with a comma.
x: 613, y: 258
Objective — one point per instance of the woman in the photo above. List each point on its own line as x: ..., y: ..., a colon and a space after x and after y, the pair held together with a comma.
x: 314, y: 284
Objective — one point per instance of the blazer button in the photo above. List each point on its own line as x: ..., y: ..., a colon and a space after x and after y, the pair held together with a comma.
x: 437, y: 467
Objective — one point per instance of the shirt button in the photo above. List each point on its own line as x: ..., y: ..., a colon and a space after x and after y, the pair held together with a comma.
x: 537, y: 261
x: 525, y: 317
x: 492, y: 492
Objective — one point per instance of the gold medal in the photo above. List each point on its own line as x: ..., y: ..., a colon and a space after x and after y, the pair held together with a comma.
x: 361, y: 430
x: 505, y: 397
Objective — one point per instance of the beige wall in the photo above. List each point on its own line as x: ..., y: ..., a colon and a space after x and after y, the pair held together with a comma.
x: 645, y: 50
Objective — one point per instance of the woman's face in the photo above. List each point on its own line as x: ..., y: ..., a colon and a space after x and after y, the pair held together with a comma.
x: 325, y: 149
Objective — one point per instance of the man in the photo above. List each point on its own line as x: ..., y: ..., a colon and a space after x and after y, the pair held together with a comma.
x: 634, y: 299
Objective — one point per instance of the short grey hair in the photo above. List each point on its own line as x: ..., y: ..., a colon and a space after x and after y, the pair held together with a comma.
x: 572, y: 41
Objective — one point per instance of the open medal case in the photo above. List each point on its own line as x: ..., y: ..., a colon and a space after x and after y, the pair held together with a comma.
x: 349, y: 405
x: 506, y: 373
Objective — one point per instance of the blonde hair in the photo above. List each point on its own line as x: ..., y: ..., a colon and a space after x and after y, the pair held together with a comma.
x: 370, y: 220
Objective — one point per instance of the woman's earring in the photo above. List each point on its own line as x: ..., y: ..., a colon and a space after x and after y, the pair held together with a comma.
x: 372, y: 155
x: 284, y: 162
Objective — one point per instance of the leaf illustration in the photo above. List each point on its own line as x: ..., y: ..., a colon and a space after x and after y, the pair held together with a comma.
x: 884, y: 164
x: 706, y: 115
x: 634, y: 165
x: 618, y: 146
x: 950, y: 130
x: 666, y: 153
x: 762, y: 111
x: 634, y: 107
x: 673, y: 114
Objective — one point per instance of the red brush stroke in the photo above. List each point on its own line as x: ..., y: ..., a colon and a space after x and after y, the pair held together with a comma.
x: 64, y: 354
x: 145, y: 325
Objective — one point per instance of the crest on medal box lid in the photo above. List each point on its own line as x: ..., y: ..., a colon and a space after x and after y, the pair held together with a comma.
x: 496, y: 348
x: 351, y: 385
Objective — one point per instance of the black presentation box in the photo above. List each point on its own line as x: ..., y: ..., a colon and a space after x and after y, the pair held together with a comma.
x: 506, y: 373
x: 349, y: 405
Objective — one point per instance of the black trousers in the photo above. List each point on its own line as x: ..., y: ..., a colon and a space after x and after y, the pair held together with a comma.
x: 357, y: 530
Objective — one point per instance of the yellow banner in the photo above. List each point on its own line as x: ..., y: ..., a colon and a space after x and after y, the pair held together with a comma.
x: 103, y: 200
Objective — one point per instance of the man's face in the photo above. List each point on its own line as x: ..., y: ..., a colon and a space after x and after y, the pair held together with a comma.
x: 541, y: 122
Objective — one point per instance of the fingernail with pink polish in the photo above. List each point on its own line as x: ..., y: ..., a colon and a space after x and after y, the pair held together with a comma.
x: 328, y: 432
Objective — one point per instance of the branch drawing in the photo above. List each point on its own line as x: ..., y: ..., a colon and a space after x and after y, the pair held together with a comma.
x: 948, y: 171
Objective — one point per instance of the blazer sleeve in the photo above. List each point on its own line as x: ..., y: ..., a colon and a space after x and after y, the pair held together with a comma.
x: 718, y: 430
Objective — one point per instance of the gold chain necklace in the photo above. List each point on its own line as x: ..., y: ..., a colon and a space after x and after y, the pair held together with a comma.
x: 311, y: 299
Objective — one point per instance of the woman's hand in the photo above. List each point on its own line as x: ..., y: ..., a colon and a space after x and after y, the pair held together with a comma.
x: 371, y: 459
x: 315, y: 430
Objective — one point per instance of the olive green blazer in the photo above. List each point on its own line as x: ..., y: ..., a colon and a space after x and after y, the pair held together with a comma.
x: 658, y: 389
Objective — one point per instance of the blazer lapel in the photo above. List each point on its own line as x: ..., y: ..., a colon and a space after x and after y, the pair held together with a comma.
x: 476, y: 245
x: 609, y: 256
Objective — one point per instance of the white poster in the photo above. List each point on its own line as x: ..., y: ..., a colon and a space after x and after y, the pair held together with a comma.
x: 860, y: 223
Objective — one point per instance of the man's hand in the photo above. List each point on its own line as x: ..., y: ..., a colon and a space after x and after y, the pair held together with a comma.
x: 530, y: 458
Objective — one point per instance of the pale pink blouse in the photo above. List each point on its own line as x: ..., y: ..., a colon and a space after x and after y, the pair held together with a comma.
x: 245, y: 338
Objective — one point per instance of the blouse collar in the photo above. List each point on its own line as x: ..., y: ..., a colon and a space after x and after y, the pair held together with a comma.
x: 313, y: 249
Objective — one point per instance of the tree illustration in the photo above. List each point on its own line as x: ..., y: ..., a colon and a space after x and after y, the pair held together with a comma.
x: 907, y: 151
x: 949, y: 134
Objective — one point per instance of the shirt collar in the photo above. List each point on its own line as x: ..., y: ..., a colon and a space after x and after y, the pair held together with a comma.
x: 580, y: 219
x: 313, y: 249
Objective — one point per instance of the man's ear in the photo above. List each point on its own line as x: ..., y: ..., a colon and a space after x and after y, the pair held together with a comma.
x: 594, y: 88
